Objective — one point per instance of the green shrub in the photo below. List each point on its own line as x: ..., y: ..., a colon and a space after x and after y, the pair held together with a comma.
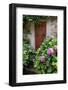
x: 50, y: 64
x: 28, y: 54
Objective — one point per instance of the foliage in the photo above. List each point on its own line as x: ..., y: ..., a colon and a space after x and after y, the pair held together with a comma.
x: 41, y: 61
x: 28, y: 53
x: 34, y: 18
x: 50, y: 64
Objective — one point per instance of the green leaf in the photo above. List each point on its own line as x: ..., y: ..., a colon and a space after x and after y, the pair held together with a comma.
x: 47, y: 63
x: 49, y: 70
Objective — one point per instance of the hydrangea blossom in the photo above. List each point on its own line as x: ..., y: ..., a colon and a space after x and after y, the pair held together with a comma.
x: 50, y: 51
x: 42, y: 59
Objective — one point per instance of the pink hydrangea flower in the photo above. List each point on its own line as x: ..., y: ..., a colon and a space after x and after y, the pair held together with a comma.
x: 50, y: 51
x: 42, y: 59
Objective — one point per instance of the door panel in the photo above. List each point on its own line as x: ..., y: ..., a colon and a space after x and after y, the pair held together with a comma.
x: 40, y: 33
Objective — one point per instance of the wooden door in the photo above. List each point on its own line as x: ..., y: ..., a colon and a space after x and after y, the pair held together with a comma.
x: 40, y: 33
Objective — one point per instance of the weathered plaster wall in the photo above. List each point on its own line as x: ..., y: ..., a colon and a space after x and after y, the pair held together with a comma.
x: 32, y: 35
x: 51, y: 28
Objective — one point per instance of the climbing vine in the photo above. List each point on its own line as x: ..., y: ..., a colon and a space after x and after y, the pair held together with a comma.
x: 35, y: 19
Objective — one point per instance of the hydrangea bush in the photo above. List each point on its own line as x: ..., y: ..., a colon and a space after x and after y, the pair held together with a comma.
x: 44, y: 60
x: 46, y: 57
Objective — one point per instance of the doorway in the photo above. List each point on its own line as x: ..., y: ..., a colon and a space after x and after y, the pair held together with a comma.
x: 40, y: 34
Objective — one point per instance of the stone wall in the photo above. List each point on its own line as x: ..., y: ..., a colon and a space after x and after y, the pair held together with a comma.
x: 51, y: 28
